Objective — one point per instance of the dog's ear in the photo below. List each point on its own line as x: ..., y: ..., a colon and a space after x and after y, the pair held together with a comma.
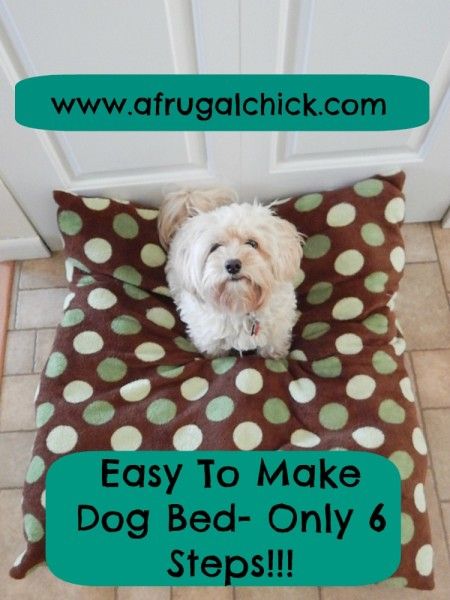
x: 288, y: 250
x: 180, y: 205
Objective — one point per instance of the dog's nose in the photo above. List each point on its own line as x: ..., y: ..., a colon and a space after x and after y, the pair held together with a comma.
x: 233, y: 266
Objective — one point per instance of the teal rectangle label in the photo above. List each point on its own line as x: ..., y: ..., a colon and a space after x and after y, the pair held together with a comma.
x: 223, y: 518
x: 222, y: 102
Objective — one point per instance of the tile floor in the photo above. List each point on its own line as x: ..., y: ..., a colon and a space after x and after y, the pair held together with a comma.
x: 38, y: 290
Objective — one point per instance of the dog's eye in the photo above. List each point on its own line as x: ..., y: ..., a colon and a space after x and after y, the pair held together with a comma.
x: 252, y: 243
x: 214, y: 247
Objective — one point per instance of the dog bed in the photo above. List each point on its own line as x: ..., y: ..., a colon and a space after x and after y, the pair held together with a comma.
x: 123, y: 376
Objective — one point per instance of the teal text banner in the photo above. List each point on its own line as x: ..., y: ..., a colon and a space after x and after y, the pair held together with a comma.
x: 222, y: 102
x: 223, y: 518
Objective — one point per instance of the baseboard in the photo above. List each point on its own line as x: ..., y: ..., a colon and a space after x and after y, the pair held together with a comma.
x: 23, y: 248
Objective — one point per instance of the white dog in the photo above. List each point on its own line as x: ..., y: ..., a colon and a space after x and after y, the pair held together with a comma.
x: 230, y: 270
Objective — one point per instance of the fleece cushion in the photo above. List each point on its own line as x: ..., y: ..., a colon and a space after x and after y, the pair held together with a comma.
x: 123, y: 376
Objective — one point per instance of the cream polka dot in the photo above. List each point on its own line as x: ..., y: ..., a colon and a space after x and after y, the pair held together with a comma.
x: 299, y: 278
x: 397, y: 257
x: 395, y: 210
x: 349, y: 262
x: 149, y: 351
x: 126, y: 438
x: 153, y: 255
x: 341, y: 215
x: 67, y: 300
x: 249, y: 381
x: 424, y: 560
x: 298, y: 355
x: 162, y: 290
x: 161, y: 317
x: 43, y: 498
x: 368, y: 437
x: 347, y: 308
x: 399, y: 345
x: 247, y: 435
x: 88, y: 342
x: 349, y: 343
x: 418, y: 441
x: 406, y: 388
x: 96, y: 203
x: 77, y: 391
x: 137, y: 390
x: 419, y: 498
x: 304, y: 438
x: 194, y: 388
x: 188, y: 437
x: 98, y: 250
x: 101, y: 299
x: 360, y: 387
x: 302, y: 390
x: 62, y: 439
x: 149, y: 214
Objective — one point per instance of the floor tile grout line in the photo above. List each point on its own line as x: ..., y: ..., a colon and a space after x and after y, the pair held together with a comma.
x: 19, y: 431
x: 440, y: 266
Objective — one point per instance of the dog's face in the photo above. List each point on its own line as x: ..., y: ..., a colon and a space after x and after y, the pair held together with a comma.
x: 233, y: 255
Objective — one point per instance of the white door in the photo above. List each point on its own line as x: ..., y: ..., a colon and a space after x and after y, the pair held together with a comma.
x: 406, y: 37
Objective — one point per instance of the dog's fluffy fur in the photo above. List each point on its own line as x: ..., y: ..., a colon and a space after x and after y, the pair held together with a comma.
x: 252, y: 309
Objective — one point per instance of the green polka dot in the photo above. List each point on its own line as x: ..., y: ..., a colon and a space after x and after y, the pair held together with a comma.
x: 161, y: 411
x: 184, y: 344
x: 349, y: 262
x: 223, y: 364
x: 62, y: 439
x: 333, y: 416
x: 135, y: 391
x: 169, y: 371
x: 376, y: 282
x: 275, y: 411
x: 347, y: 308
x: 162, y: 290
x: 88, y: 342
x: 395, y: 582
x: 308, y: 202
x: 368, y: 188
x: 98, y: 412
x: 161, y: 317
x: 72, y: 317
x: 327, y: 367
x: 407, y: 528
x: 111, y: 369
x: 313, y: 331
x: 134, y: 292
x: 126, y: 325
x: 56, y: 364
x: 299, y: 278
x: 33, y: 528
x: 391, y: 412
x: 35, y: 469
x: 247, y: 435
x: 69, y: 222
x: 277, y: 365
x: 404, y: 463
x: 320, y: 292
x: 219, y: 408
x: 316, y: 246
x: 377, y: 323
x: 44, y: 412
x: 149, y: 352
x: 298, y: 355
x: 77, y: 391
x: 372, y: 234
x: 101, y: 299
x: 349, y: 343
x: 383, y: 363
x: 194, y: 388
x: 341, y: 215
x: 153, y: 255
x: 98, y: 250
x: 125, y: 226
x: 85, y: 280
x: 130, y: 276
x: 249, y: 381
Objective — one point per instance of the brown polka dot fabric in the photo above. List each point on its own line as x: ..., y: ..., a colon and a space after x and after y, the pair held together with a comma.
x: 123, y: 376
